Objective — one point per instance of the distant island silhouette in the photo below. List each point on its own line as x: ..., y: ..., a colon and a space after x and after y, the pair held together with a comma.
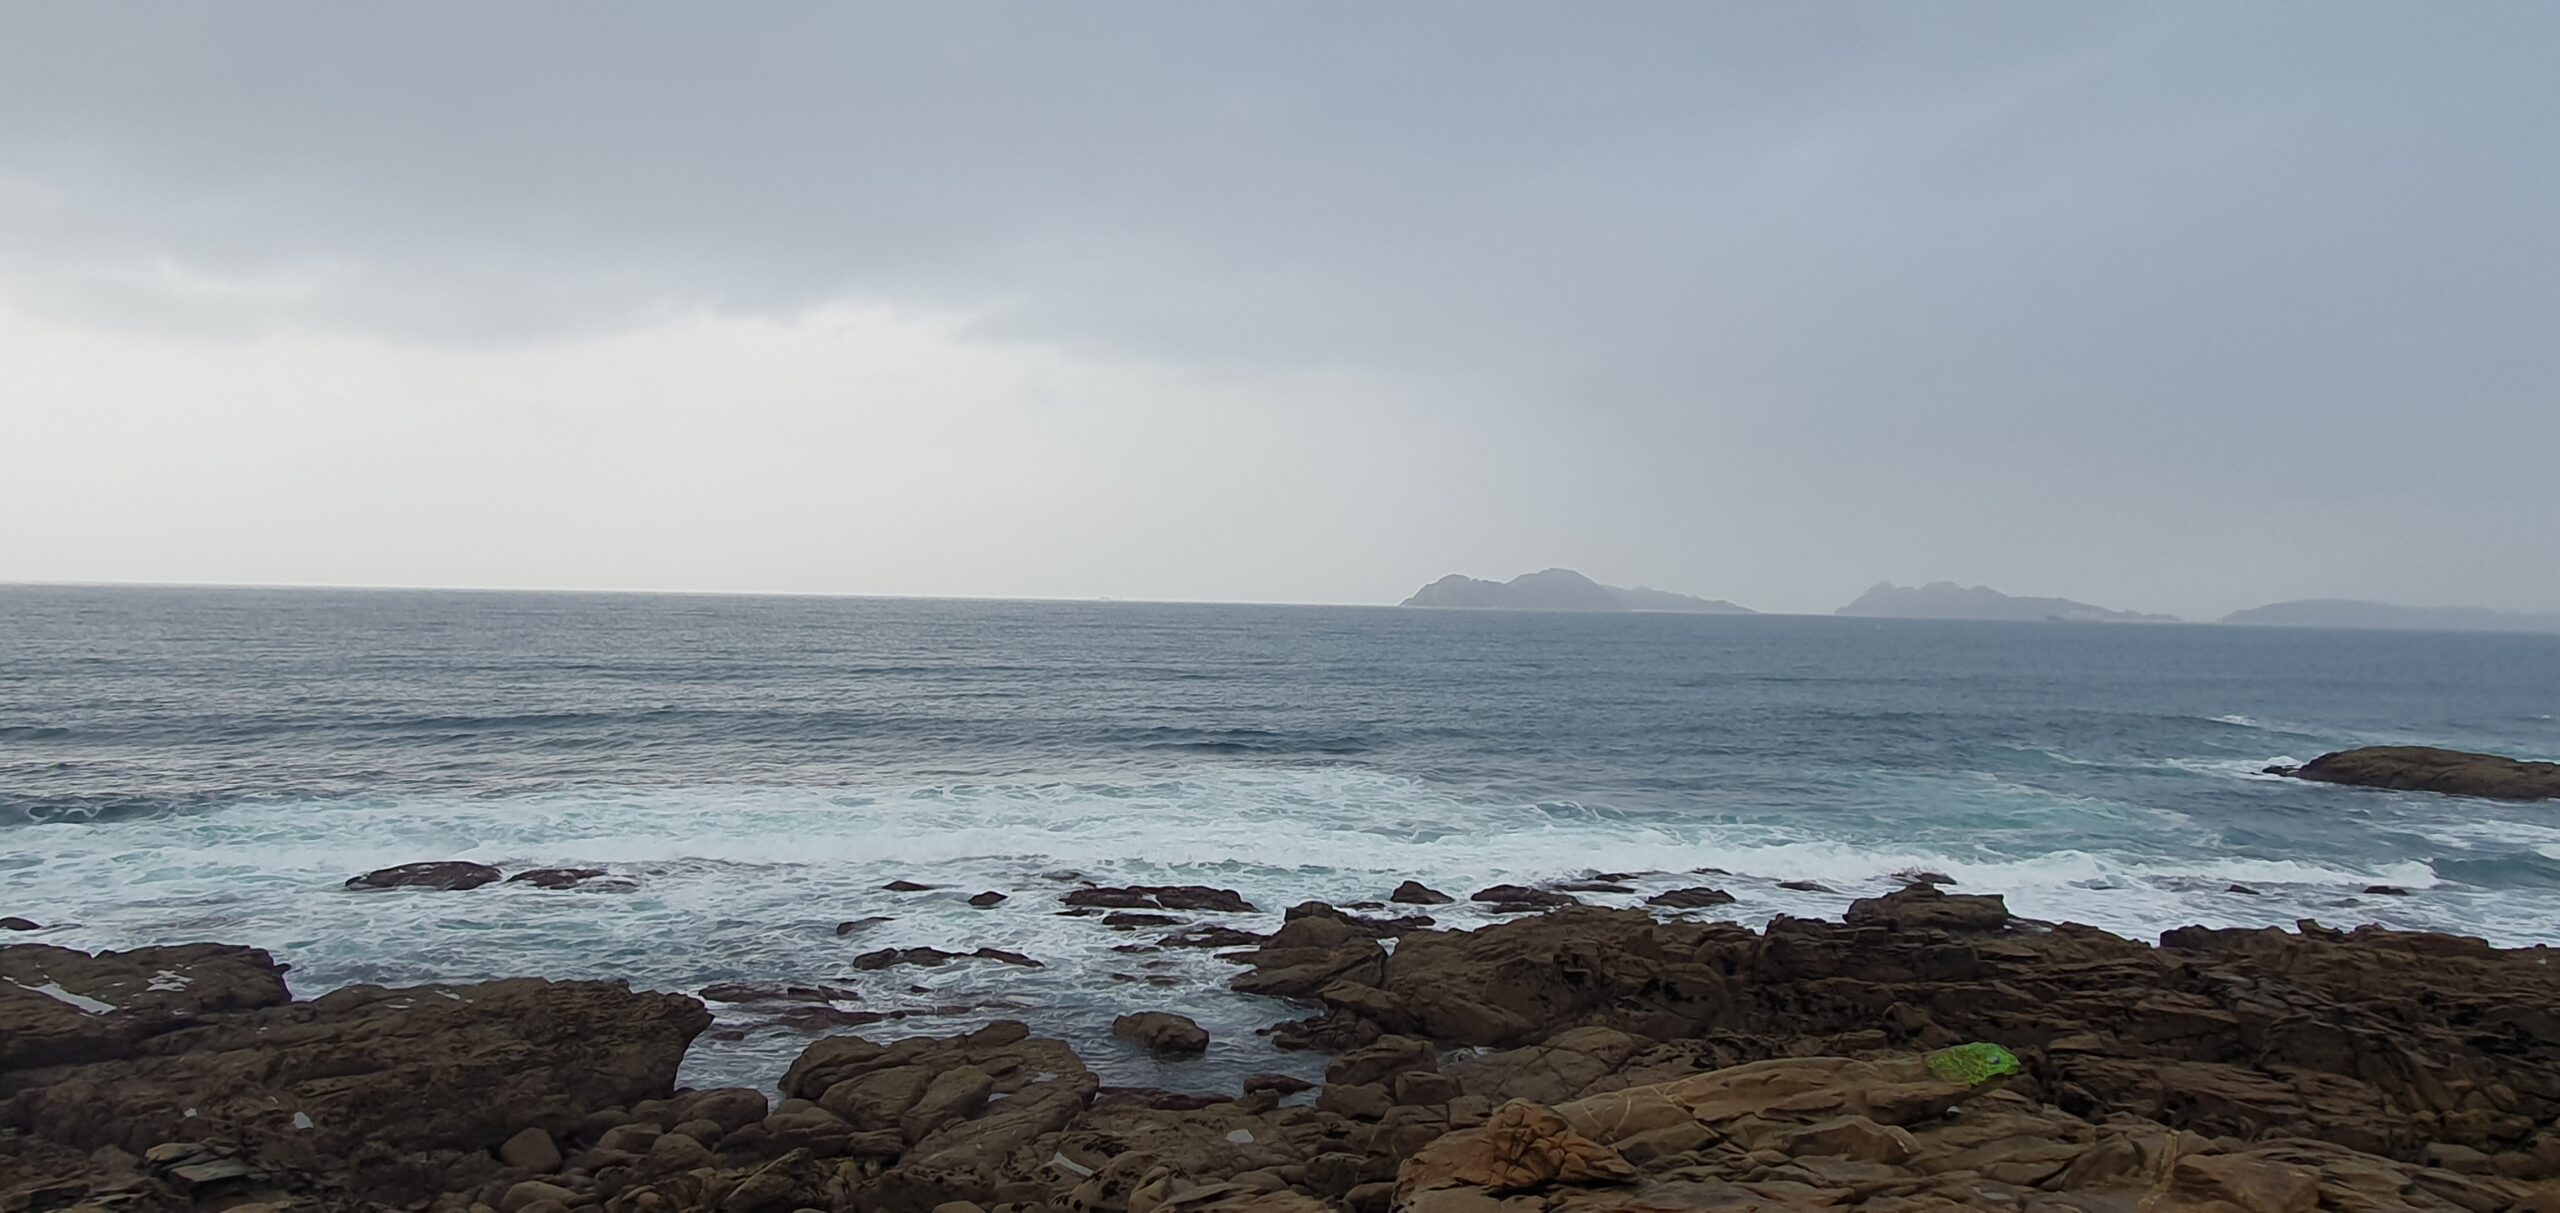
x: 1560, y: 590
x: 1947, y: 600
x: 2357, y: 613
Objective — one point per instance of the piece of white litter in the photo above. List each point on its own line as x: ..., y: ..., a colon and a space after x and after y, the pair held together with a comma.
x: 1063, y: 1162
x: 55, y: 991
x: 302, y: 1120
x: 170, y: 979
x: 191, y: 1112
x: 1241, y: 1137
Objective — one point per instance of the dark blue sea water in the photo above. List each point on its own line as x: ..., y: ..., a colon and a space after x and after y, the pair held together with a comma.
x: 190, y: 764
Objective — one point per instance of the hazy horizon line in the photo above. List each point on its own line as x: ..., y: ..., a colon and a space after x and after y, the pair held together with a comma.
x: 638, y: 592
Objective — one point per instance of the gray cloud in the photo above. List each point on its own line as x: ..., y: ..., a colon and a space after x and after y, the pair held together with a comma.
x: 2174, y: 307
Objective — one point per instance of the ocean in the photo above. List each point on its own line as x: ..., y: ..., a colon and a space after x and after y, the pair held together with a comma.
x: 212, y: 764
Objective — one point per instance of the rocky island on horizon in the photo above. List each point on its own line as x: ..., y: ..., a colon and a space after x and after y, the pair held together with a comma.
x: 1947, y: 600
x: 1561, y: 590
x: 2362, y: 613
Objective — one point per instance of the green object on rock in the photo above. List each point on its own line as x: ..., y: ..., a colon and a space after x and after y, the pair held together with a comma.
x: 1972, y: 1064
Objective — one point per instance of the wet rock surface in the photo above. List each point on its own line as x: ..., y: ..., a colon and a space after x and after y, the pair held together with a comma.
x: 1582, y: 1060
x: 451, y: 875
x: 2410, y: 768
x: 1162, y: 1033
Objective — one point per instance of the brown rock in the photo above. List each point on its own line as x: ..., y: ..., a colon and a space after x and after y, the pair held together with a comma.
x: 1159, y: 897
x: 2429, y: 769
x: 1279, y: 1084
x: 908, y: 886
x: 1524, y: 1147
x: 1699, y: 897
x: 1162, y: 1033
x: 532, y: 1150
x: 1922, y: 907
x: 986, y: 899
x: 524, y: 1195
x: 336, y: 1085
x: 1416, y: 893
x: 14, y: 923
x: 1381, y: 1060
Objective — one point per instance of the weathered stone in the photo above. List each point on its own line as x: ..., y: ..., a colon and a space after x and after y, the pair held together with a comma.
x: 1162, y: 1033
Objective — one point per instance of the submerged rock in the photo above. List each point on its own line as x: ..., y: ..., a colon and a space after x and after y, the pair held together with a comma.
x: 1158, y: 897
x: 1696, y: 898
x: 2429, y: 769
x: 562, y: 878
x: 1516, y: 896
x: 986, y: 899
x: 931, y: 957
x: 14, y: 923
x: 449, y: 874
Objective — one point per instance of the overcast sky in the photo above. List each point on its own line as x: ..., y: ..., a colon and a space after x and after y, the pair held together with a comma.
x: 2174, y: 307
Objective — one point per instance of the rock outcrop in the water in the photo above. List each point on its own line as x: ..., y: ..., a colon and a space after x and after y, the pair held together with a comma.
x: 2415, y: 768
x: 1947, y: 600
x: 448, y: 874
x: 1932, y: 1055
x: 1561, y: 590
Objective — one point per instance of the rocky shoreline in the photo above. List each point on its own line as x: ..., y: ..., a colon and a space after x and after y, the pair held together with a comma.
x: 1929, y: 1051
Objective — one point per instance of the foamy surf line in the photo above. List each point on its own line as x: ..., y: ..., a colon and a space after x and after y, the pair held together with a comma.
x: 750, y: 885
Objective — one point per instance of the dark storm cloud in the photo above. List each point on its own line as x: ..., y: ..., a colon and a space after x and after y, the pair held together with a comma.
x: 2107, y: 301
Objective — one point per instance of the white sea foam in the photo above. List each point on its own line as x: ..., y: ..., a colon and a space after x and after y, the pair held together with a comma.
x: 747, y: 884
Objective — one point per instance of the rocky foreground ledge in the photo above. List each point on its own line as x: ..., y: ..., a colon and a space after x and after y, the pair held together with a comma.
x: 1928, y: 1053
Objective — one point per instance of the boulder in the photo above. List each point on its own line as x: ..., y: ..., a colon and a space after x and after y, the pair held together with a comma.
x: 2429, y: 769
x: 1308, y: 954
x: 1162, y: 1033
x: 1416, y: 893
x: 1922, y: 907
x: 14, y: 923
x: 987, y: 899
x: 451, y: 874
x: 531, y: 1150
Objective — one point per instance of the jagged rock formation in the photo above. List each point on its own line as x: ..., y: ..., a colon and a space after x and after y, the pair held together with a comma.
x: 1561, y: 590
x: 2417, y: 768
x: 1947, y: 600
x: 1624, y: 1065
